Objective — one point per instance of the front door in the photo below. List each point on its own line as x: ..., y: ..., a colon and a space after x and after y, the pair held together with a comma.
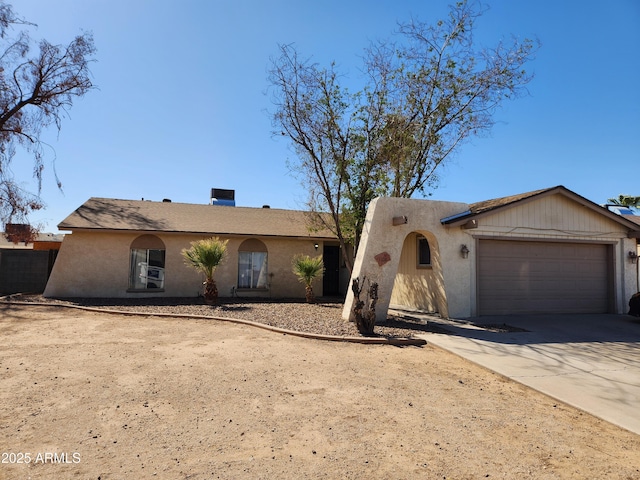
x: 331, y: 279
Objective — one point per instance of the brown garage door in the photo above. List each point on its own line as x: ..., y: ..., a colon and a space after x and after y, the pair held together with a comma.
x: 517, y: 277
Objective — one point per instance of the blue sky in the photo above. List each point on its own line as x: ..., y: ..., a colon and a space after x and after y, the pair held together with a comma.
x: 181, y: 104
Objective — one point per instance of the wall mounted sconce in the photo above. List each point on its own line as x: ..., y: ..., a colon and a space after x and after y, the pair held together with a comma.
x: 400, y: 220
x: 464, y: 251
x: 315, y: 245
x: 633, y: 257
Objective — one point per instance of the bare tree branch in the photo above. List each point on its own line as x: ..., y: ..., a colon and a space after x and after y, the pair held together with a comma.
x: 35, y: 92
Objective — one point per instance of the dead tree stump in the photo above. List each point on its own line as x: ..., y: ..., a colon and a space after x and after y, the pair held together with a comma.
x: 364, y: 311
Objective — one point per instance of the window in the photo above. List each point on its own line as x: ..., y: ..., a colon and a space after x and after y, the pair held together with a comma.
x: 252, y: 264
x: 423, y: 252
x: 147, y: 261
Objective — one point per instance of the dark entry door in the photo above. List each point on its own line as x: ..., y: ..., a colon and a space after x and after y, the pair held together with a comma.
x: 331, y: 279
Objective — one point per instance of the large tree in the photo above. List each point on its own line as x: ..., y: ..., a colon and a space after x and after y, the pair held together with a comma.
x: 422, y: 97
x: 36, y: 90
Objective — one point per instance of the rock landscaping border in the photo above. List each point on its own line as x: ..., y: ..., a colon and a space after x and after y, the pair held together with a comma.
x: 317, y: 317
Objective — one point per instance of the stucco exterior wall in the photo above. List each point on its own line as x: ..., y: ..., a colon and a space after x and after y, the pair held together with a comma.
x: 628, y: 273
x: 413, y: 285
x: 383, y: 240
x: 90, y: 263
x: 96, y: 264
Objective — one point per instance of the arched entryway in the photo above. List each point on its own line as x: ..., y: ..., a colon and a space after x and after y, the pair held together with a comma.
x: 389, y: 222
x: 419, y: 284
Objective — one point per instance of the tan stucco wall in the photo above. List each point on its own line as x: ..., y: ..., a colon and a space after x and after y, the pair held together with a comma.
x: 282, y: 282
x: 96, y: 264
x: 87, y: 262
x: 451, y: 286
x: 413, y: 285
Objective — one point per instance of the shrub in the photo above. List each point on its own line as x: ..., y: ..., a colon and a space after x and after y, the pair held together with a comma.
x: 205, y: 256
x: 307, y: 269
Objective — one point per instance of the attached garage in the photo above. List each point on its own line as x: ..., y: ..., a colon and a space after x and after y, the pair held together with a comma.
x: 532, y: 277
x: 546, y: 251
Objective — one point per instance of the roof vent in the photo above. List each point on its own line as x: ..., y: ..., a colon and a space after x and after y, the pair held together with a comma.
x: 220, y: 196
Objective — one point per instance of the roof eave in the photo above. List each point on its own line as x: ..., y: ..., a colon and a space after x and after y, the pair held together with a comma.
x: 461, y: 220
x: 464, y: 219
x: 180, y: 232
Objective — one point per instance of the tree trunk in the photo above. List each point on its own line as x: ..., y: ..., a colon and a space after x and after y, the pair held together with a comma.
x: 365, y: 310
x: 210, y: 292
x: 309, y: 294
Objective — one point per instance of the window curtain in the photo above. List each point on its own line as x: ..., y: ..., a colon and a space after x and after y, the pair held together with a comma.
x: 146, y: 269
x: 252, y: 270
x: 138, y: 269
x: 260, y: 259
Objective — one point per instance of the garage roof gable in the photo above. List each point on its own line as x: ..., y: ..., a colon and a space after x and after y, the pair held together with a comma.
x: 489, y: 207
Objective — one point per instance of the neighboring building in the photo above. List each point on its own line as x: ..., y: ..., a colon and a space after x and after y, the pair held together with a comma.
x: 25, y: 266
x: 42, y: 241
x: 547, y: 251
x: 128, y: 248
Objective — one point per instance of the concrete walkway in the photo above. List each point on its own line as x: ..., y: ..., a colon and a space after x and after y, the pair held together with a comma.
x: 591, y: 362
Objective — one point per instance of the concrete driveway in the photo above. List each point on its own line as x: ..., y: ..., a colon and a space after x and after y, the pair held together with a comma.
x: 591, y: 362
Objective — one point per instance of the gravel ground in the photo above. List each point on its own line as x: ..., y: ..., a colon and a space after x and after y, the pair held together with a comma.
x: 323, y: 317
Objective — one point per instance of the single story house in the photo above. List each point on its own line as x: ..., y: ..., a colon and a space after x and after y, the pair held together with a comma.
x: 547, y: 251
x: 128, y: 248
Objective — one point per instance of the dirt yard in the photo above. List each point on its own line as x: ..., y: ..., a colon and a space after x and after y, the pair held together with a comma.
x: 104, y: 396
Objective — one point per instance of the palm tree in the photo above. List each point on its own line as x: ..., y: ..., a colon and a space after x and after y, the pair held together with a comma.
x: 626, y: 201
x: 307, y: 269
x: 205, y: 256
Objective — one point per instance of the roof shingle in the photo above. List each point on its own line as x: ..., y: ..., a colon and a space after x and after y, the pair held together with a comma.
x: 141, y: 215
x: 479, y: 207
